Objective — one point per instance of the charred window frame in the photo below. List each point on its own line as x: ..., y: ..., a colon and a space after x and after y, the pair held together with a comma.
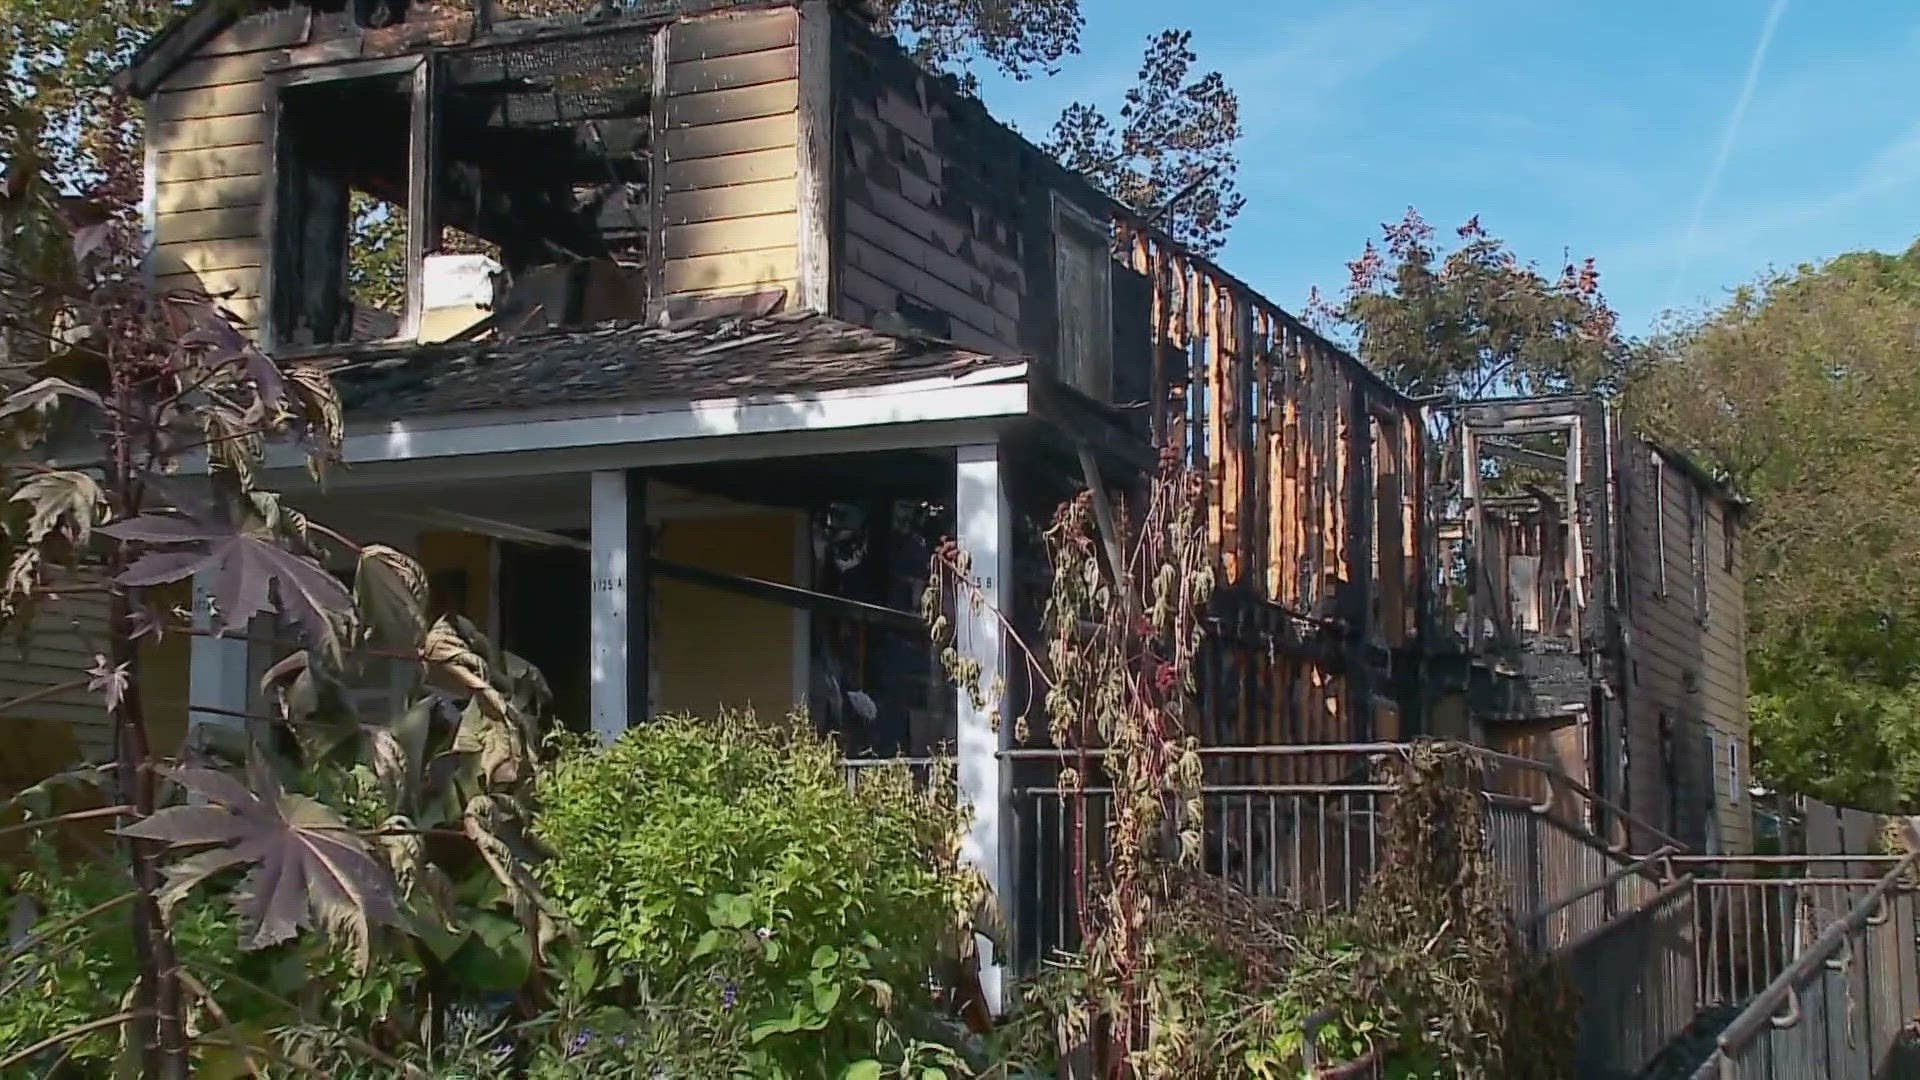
x: 1697, y: 551
x: 1657, y: 485
x: 309, y: 217
x: 1083, y: 285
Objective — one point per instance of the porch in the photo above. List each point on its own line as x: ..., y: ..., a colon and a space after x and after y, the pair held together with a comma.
x: 735, y: 515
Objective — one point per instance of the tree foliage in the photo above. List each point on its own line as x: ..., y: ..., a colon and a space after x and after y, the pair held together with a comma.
x: 1169, y: 152
x: 1474, y: 320
x: 56, y: 57
x: 1801, y: 391
x: 1022, y: 38
x: 1171, y: 155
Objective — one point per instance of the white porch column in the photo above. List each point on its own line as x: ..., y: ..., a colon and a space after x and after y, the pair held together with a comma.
x: 218, y: 683
x: 985, y: 532
x: 618, y: 611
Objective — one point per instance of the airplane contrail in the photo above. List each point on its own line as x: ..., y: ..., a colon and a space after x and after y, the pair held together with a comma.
x: 1727, y: 139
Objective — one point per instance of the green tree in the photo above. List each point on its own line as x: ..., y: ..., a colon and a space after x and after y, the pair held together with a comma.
x: 55, y: 59
x: 1474, y: 320
x: 1020, y: 37
x: 1172, y: 154
x: 1801, y: 390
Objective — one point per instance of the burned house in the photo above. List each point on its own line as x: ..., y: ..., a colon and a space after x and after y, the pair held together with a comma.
x: 675, y: 333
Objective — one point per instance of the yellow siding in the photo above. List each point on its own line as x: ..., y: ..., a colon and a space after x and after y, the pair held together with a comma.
x: 731, y: 157
x: 207, y: 126
x: 460, y: 568
x: 715, y: 649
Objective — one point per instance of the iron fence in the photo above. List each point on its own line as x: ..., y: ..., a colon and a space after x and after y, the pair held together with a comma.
x: 1305, y: 824
x: 1634, y: 977
x: 1844, y: 1006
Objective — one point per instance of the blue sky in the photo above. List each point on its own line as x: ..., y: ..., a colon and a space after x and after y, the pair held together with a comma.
x: 1687, y: 145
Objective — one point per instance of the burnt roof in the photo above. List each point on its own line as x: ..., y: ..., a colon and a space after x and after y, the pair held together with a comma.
x: 628, y: 363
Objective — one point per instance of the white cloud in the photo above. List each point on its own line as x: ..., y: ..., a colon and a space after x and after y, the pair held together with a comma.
x: 1728, y: 137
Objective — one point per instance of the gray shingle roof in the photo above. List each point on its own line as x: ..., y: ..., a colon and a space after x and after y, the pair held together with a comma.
x: 793, y: 353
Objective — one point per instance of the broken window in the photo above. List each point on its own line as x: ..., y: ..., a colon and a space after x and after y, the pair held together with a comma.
x: 1083, y: 272
x: 344, y: 262
x: 534, y: 154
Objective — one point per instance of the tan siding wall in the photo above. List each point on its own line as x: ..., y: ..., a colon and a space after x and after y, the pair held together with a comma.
x: 53, y: 733
x: 1691, y: 668
x: 729, y: 155
x: 207, y: 126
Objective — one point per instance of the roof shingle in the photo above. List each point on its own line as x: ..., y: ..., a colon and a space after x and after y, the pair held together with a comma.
x: 793, y: 353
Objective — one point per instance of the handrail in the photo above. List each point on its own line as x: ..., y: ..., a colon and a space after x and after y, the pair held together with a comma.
x: 1608, y: 882
x: 1582, y: 940
x: 1784, y: 989
x: 1790, y: 860
x: 1370, y: 748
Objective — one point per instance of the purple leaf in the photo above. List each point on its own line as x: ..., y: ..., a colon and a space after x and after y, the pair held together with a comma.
x: 162, y: 529
x: 108, y: 680
x: 310, y: 868
x: 189, y: 826
x: 164, y: 566
x: 42, y: 396
x: 252, y: 573
x: 212, y: 330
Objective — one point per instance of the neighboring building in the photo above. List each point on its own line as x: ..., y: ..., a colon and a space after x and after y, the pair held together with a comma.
x: 1592, y: 588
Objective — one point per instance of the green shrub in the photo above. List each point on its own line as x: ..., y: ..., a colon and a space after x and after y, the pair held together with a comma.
x: 81, y: 972
x: 729, y: 857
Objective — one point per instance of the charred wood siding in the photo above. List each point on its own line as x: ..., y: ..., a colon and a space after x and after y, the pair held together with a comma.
x: 729, y: 178
x: 1307, y: 459
x: 1686, y: 659
x: 207, y: 136
x: 946, y: 219
x: 938, y: 204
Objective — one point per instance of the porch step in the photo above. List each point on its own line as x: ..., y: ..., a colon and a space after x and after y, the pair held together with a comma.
x: 1684, y: 1056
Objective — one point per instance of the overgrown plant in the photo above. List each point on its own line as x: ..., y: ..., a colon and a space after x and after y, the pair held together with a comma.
x: 1123, y: 627
x: 137, y: 426
x: 726, y: 867
x: 1179, y: 975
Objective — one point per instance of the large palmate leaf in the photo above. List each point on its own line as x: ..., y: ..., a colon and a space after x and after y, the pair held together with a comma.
x: 390, y: 591
x: 309, y: 868
x: 65, y: 501
x: 219, y: 343
x: 251, y: 572
x: 42, y: 397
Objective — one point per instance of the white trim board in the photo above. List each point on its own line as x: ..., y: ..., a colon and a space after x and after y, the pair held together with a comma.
x: 928, y: 414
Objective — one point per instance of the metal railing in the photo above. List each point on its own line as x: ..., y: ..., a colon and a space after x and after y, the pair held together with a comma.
x: 1635, y: 978
x: 1845, y: 1005
x: 1305, y: 824
x: 1757, y: 913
